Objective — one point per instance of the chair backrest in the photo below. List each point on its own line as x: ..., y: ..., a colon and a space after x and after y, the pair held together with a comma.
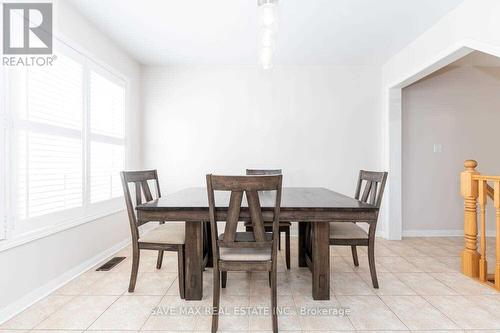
x: 373, y: 189
x: 237, y: 185
x: 263, y: 172
x: 142, y: 193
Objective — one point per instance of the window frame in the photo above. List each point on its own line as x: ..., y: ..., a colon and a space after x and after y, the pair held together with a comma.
x: 16, y: 232
x: 4, y: 151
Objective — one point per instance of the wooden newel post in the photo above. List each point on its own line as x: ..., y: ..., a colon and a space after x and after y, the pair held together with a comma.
x: 469, y: 190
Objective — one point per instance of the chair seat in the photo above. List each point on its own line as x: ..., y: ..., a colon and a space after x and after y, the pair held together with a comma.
x: 168, y: 233
x: 269, y: 224
x: 346, y: 230
x: 247, y: 236
x: 244, y: 254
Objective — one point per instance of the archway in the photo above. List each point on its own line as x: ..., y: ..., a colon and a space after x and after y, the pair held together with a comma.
x: 393, y: 155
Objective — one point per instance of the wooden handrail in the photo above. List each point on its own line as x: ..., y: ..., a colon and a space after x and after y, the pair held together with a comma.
x: 476, y: 191
x: 484, y: 177
x: 489, y: 190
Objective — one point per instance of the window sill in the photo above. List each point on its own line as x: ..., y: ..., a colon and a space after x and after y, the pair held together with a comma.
x: 50, y: 230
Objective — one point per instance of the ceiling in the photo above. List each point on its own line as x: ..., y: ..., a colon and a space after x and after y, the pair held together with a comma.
x: 311, y: 32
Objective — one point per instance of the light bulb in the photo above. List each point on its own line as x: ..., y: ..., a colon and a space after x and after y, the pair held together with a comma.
x: 266, y: 57
x: 267, y: 65
x: 267, y: 37
x: 268, y: 14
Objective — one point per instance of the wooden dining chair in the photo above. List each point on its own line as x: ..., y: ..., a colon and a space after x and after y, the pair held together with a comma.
x: 284, y: 226
x: 244, y: 251
x: 167, y: 237
x: 351, y: 234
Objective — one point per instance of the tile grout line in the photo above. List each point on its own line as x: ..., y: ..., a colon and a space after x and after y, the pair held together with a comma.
x: 117, y: 298
x: 444, y: 314
x: 72, y: 297
x: 390, y: 309
x: 348, y: 317
x: 486, y: 309
x: 158, y: 304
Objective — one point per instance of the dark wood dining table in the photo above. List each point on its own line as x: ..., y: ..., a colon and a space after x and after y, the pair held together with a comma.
x: 309, y: 206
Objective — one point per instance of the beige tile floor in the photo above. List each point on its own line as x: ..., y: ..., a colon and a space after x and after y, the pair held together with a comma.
x: 421, y: 290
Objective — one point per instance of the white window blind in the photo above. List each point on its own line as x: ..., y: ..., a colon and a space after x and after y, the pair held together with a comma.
x: 50, y: 173
x: 3, y: 160
x: 65, y: 128
x: 49, y: 140
x: 107, y: 127
x: 107, y: 106
x: 107, y: 161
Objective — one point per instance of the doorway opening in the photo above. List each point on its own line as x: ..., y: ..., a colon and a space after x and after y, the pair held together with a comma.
x: 447, y: 117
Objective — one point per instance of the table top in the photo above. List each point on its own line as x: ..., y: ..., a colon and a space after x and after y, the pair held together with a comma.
x: 293, y: 198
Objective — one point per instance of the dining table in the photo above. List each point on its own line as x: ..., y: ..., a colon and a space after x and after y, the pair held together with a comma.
x: 313, y: 208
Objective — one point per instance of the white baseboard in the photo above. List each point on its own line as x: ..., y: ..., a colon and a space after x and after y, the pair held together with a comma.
x: 294, y: 231
x: 433, y: 233
x: 440, y: 233
x: 36, y: 295
x: 381, y: 233
x: 412, y: 233
x: 22, y: 304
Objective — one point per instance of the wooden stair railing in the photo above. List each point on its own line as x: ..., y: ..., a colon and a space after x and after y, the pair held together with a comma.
x: 476, y: 191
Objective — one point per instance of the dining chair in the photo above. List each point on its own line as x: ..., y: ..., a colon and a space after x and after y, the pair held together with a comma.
x: 167, y: 237
x: 284, y: 226
x: 351, y: 234
x: 244, y: 251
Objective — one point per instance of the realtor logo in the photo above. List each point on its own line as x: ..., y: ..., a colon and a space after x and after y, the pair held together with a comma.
x: 27, y: 28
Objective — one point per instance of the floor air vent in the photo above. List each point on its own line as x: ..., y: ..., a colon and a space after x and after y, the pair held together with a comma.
x: 110, y: 264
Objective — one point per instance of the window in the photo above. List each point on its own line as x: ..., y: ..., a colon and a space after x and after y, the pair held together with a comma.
x: 107, y: 137
x: 68, y: 142
x: 49, y: 139
x: 3, y: 160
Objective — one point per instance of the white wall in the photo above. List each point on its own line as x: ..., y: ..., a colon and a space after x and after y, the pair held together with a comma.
x: 457, y: 107
x: 319, y: 124
x: 31, y: 270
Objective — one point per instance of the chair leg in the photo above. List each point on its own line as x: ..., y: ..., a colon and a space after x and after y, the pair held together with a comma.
x: 205, y: 247
x: 160, y: 259
x: 274, y: 300
x: 355, y: 255
x: 279, y: 240
x: 371, y: 262
x: 223, y: 279
x: 216, y: 299
x: 180, y: 268
x: 287, y: 247
x: 135, y: 268
x: 270, y: 280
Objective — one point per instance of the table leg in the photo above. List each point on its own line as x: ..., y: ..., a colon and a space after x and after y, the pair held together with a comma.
x: 302, y: 244
x: 321, y: 260
x: 194, y: 261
